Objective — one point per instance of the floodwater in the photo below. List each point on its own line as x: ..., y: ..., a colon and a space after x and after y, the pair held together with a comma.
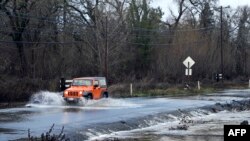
x: 129, y: 118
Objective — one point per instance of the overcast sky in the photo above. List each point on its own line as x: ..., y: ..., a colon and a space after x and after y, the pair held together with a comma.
x: 166, y: 4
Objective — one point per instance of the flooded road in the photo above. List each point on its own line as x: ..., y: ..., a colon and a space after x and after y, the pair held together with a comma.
x: 153, y: 118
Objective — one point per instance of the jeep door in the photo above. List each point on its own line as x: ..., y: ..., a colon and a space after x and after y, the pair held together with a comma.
x: 97, y: 91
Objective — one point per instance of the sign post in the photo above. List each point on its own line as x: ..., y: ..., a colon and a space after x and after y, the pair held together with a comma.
x: 188, y: 62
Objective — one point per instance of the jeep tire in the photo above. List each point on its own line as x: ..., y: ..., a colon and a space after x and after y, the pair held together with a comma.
x: 105, y: 95
x: 89, y: 97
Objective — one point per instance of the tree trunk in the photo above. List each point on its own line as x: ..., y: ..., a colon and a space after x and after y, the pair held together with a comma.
x: 23, y: 61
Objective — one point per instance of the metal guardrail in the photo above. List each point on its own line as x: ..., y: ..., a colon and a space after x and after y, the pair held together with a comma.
x: 64, y: 84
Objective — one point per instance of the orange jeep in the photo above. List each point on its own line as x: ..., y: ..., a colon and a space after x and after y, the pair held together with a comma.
x: 88, y: 87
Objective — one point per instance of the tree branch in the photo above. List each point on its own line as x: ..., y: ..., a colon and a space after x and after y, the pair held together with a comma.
x: 81, y: 13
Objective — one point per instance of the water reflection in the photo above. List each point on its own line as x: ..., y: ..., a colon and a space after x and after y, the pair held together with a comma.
x: 72, y: 110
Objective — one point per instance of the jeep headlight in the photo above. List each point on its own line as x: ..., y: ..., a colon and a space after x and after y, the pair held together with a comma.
x: 80, y: 92
x: 65, y: 93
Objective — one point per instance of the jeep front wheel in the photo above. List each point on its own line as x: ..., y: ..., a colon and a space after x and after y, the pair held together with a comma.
x: 89, y: 97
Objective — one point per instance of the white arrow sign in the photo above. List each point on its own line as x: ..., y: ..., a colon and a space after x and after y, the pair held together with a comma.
x: 188, y: 62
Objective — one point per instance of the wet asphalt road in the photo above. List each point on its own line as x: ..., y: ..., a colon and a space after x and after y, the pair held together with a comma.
x: 51, y: 109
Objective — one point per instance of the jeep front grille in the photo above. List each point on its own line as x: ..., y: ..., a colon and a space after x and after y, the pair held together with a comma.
x: 73, y: 93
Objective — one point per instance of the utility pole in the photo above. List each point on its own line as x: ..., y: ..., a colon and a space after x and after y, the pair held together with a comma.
x: 62, y: 66
x: 245, y: 61
x: 106, y: 49
x: 33, y: 63
x: 221, y: 42
x: 221, y: 45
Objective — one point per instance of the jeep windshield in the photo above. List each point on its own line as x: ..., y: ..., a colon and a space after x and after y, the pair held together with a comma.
x: 82, y: 82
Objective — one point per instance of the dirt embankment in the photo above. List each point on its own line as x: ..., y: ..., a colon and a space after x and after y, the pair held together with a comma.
x: 4, y: 105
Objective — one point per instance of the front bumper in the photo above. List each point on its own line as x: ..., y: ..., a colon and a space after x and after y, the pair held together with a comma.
x: 69, y: 99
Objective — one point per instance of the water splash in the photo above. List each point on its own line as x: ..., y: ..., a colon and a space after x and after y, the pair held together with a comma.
x: 55, y: 99
x: 47, y: 98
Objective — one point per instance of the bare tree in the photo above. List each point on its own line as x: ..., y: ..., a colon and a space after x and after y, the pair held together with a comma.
x: 17, y: 13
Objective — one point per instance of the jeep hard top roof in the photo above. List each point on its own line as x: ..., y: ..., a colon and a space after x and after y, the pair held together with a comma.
x: 92, y: 78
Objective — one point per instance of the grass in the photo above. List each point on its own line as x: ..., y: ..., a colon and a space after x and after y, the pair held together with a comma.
x: 174, y: 91
x: 166, y: 90
x: 48, y: 136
